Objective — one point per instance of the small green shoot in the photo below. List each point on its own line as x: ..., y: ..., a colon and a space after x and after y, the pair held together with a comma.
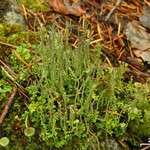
x: 4, y: 141
x: 29, y: 131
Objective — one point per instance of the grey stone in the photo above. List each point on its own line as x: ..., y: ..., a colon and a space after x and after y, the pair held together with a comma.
x: 110, y: 144
x: 9, y: 11
x: 4, y: 7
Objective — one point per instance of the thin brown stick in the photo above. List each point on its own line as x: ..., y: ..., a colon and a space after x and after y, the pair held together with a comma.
x: 146, y: 148
x: 17, y: 55
x: 112, y: 10
x: 24, y: 94
x: 6, y: 44
x: 8, y: 68
x: 5, y: 110
x: 21, y: 90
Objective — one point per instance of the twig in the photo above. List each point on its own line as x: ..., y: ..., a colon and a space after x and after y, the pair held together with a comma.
x: 112, y: 10
x: 145, y: 148
x: 12, y: 78
x: 9, y: 69
x: 5, y: 110
x: 6, y: 44
x: 21, y: 90
x: 17, y: 55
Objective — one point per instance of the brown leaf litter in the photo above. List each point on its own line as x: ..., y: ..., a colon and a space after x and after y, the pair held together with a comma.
x: 124, y: 34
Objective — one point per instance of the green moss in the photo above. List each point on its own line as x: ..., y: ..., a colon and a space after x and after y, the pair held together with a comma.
x: 34, y: 5
x: 74, y: 99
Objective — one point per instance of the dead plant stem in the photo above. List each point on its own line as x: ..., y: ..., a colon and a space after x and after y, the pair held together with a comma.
x: 5, y: 110
x: 112, y: 10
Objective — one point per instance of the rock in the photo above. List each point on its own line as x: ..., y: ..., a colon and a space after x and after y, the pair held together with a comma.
x: 14, y: 18
x: 4, y: 7
x: 110, y: 144
x: 9, y: 12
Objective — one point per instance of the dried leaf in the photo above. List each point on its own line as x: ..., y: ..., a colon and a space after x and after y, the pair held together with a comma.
x: 145, y: 54
x: 145, y: 20
x: 136, y: 62
x: 68, y: 7
x: 93, y: 3
x: 138, y: 37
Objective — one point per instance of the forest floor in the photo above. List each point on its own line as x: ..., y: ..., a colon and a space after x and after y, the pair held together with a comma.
x: 80, y: 71
x: 122, y: 27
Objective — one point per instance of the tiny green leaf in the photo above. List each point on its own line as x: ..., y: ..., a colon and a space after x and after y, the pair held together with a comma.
x: 4, y: 141
x: 29, y: 131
